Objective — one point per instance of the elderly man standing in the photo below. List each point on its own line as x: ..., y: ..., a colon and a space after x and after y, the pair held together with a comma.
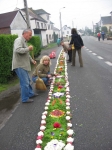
x: 21, y: 65
x: 67, y: 49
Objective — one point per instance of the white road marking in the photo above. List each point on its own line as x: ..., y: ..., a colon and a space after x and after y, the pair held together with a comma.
x: 100, y: 57
x: 94, y: 53
x: 108, y: 63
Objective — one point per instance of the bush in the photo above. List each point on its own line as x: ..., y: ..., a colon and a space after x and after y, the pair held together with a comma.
x: 6, y: 46
x: 6, y: 52
x: 36, y: 42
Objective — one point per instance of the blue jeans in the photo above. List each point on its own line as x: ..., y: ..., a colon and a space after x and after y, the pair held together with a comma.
x: 45, y: 79
x: 26, y: 89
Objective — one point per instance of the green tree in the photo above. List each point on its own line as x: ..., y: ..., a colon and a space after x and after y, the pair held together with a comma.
x: 97, y: 29
x: 104, y: 28
x: 88, y: 31
x: 55, y: 37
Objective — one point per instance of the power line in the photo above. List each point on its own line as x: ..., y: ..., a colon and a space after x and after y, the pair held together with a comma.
x: 6, y: 8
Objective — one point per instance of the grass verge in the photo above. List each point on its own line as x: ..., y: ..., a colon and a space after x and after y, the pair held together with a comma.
x: 11, y: 83
x: 49, y: 46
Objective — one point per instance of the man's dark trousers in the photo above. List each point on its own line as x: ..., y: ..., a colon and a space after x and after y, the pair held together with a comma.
x: 70, y: 55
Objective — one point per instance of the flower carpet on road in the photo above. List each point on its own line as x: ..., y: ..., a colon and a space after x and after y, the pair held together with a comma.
x: 56, y: 128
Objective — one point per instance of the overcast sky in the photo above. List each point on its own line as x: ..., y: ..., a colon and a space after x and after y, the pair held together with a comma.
x: 81, y: 12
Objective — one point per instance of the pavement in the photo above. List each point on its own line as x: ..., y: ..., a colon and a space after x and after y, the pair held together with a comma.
x: 10, y: 98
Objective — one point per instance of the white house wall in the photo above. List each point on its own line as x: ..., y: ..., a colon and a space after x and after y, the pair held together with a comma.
x: 18, y: 23
x: 65, y: 32
x: 33, y: 24
x: 44, y: 41
x: 45, y: 16
x: 50, y: 34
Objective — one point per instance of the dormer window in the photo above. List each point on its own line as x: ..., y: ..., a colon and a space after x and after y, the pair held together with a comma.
x: 47, y: 17
x: 42, y: 25
x: 45, y: 26
x: 38, y: 26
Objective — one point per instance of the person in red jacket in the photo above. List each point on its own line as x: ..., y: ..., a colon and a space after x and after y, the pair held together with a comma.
x: 99, y: 36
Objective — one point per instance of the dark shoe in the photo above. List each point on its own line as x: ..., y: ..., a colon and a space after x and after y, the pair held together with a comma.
x: 47, y: 84
x: 81, y: 66
x: 35, y: 95
x: 29, y: 101
x: 72, y: 65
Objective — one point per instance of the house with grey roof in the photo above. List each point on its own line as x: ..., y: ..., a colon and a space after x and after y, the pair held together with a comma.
x: 38, y: 24
x: 66, y: 32
x: 106, y: 21
x: 12, y: 23
x: 46, y: 16
x: 15, y: 22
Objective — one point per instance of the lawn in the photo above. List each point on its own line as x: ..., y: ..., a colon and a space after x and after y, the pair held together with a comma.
x: 6, y: 86
x: 49, y: 46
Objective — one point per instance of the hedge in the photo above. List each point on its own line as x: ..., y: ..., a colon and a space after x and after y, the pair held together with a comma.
x: 6, y: 52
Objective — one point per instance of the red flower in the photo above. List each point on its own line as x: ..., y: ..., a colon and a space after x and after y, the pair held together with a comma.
x: 57, y: 125
x: 60, y: 86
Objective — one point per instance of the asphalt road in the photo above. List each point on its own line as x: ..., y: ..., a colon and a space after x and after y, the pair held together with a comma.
x: 91, y: 104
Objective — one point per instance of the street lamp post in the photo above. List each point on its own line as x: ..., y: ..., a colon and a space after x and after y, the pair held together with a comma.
x: 60, y: 21
x: 73, y: 22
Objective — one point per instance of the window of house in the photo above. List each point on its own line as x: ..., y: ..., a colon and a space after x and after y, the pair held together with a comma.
x: 38, y: 25
x: 47, y: 17
x: 45, y: 26
x: 48, y: 26
x: 42, y: 25
x: 67, y: 32
x: 64, y: 28
x: 50, y: 36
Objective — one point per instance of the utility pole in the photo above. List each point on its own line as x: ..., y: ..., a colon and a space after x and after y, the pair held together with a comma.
x: 27, y: 14
x: 93, y: 26
x: 60, y: 21
x: 61, y: 25
x: 72, y: 24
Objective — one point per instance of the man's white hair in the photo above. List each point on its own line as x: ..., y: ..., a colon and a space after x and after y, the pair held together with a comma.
x: 26, y: 30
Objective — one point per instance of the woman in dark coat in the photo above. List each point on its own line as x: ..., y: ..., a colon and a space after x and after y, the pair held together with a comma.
x: 77, y: 41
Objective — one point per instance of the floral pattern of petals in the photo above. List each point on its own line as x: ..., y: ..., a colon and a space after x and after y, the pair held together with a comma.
x: 55, y: 127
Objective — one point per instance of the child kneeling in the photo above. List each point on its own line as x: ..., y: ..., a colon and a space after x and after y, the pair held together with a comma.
x: 43, y: 70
